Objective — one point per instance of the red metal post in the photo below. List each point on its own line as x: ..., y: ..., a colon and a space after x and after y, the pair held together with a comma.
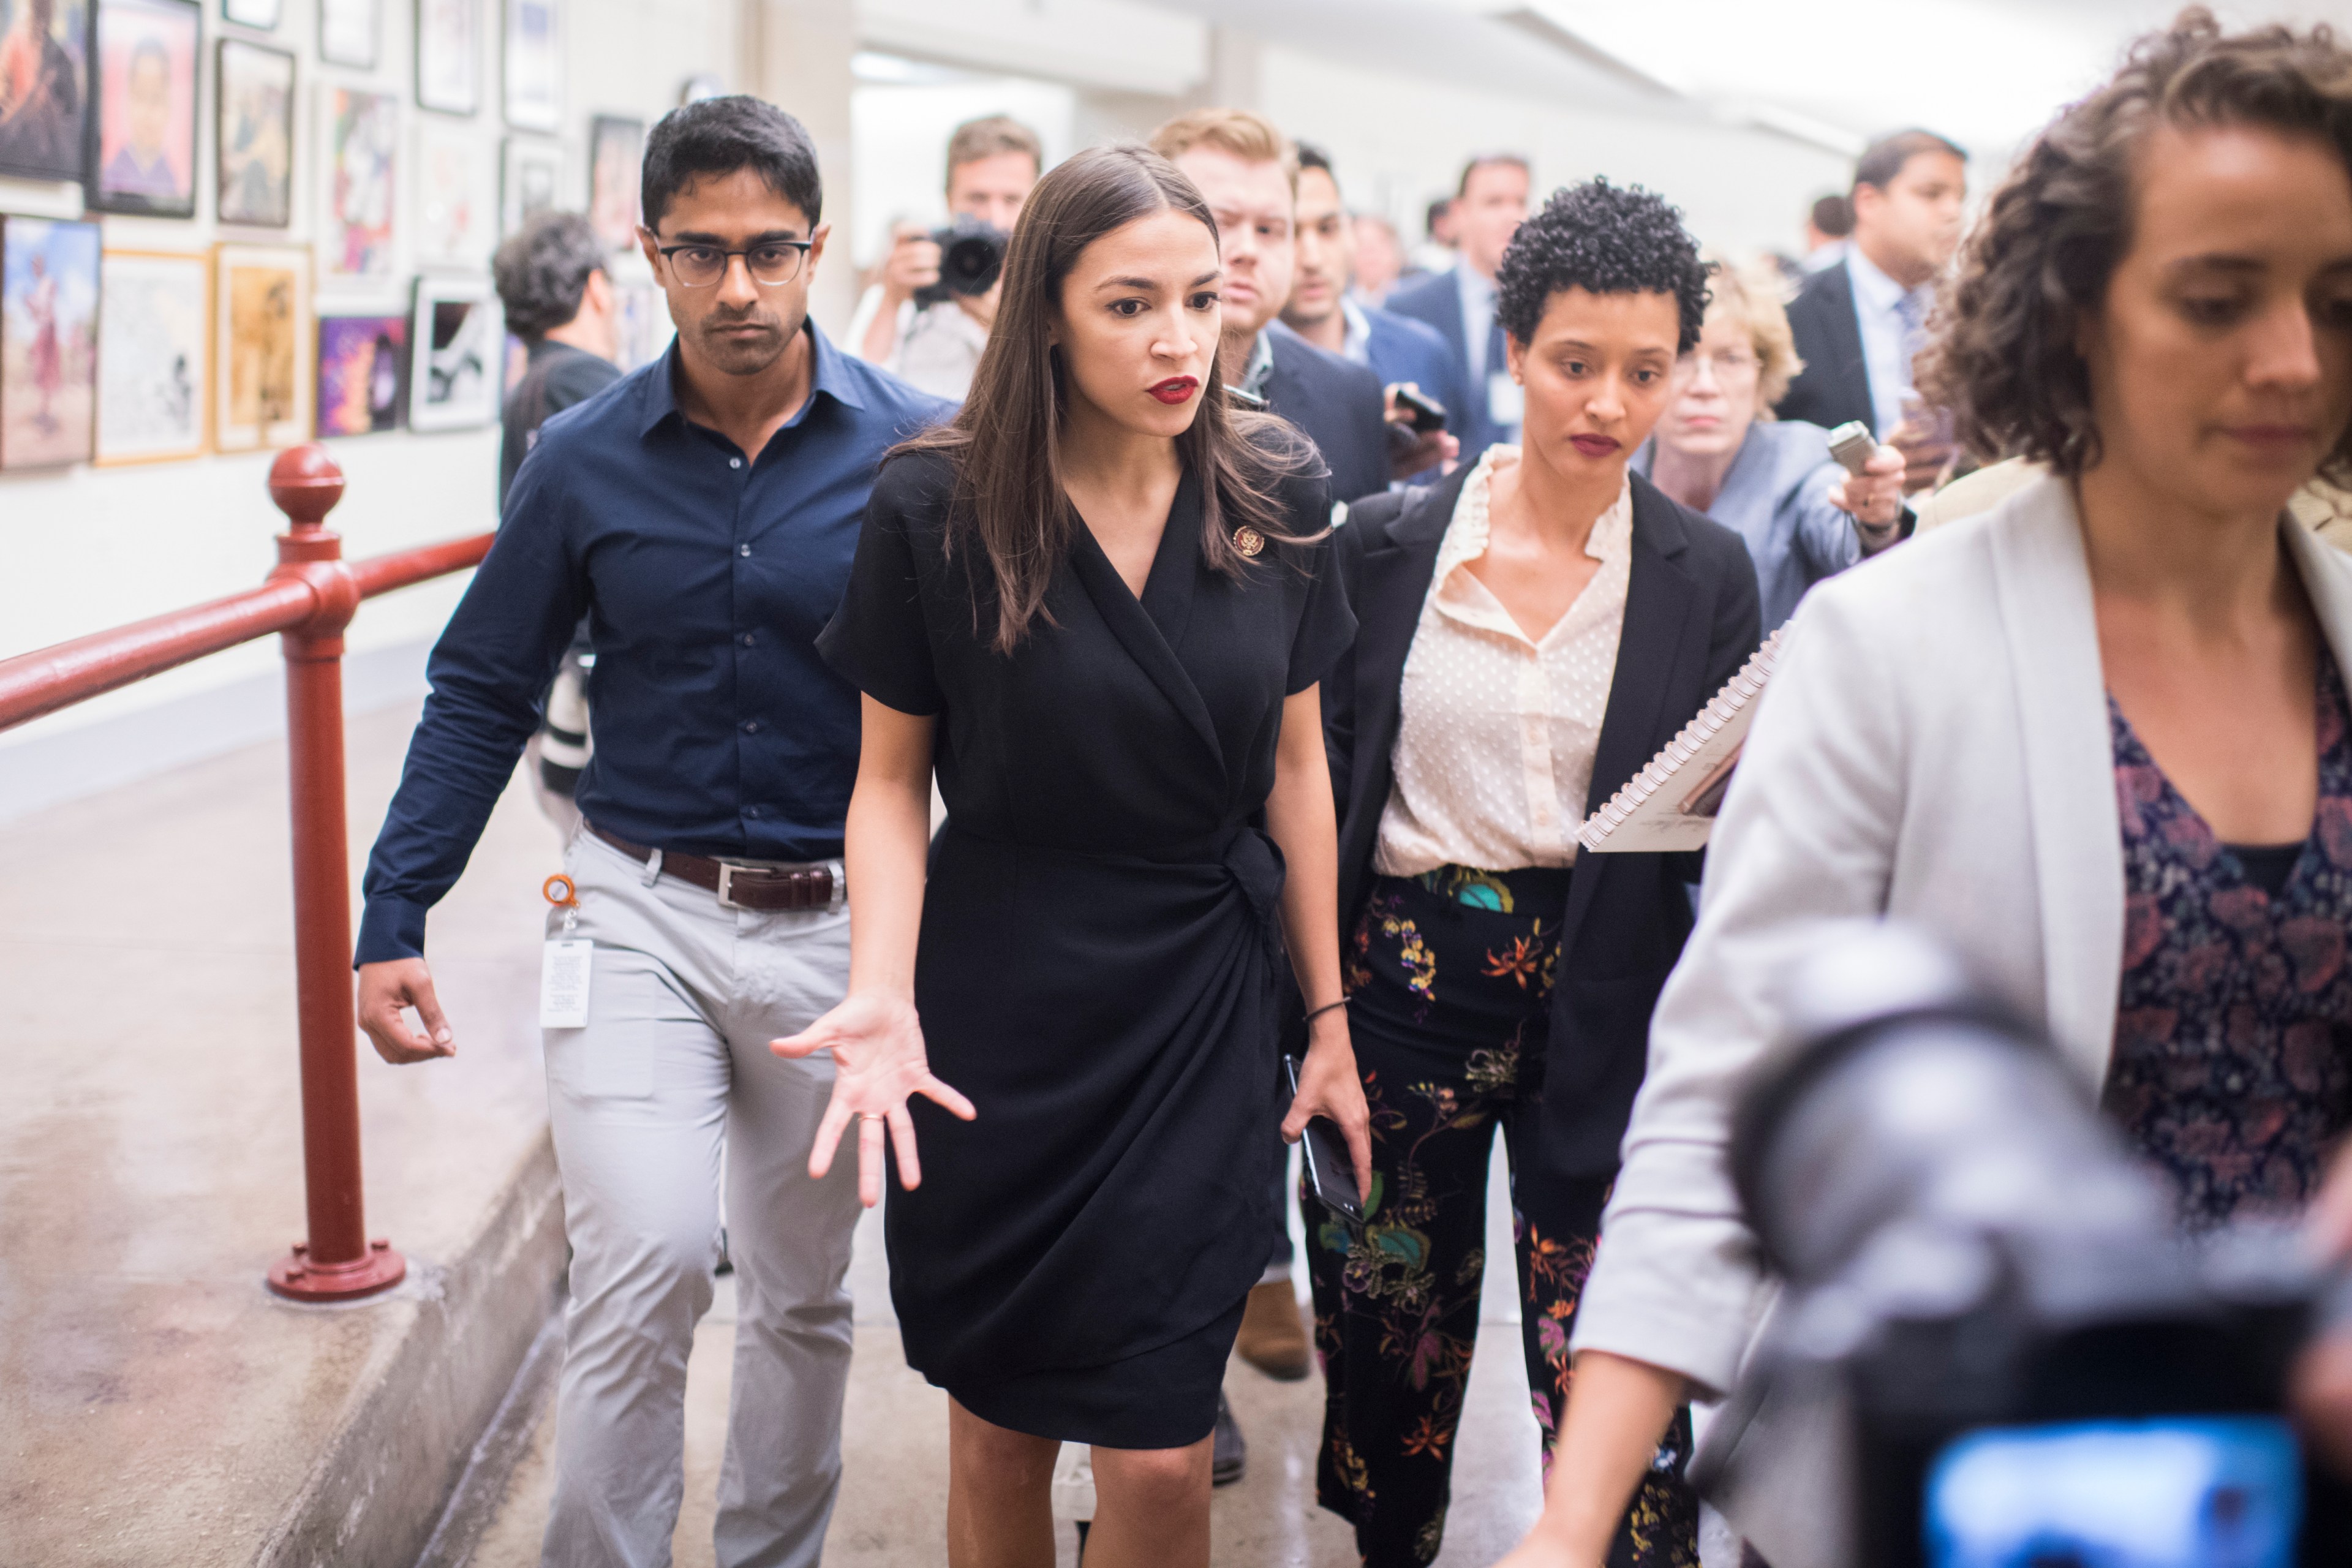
x: 338, y: 1262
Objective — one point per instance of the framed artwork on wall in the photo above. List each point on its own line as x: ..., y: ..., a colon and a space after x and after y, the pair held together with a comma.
x: 349, y: 32
x: 154, y: 362
x: 260, y: 14
x: 531, y: 182
x: 254, y: 103
x: 362, y: 371
x: 449, y: 56
x: 49, y: 341
x: 45, y: 49
x: 616, y: 156
x: 454, y: 214
x: 534, y: 64
x: 642, y: 327
x: 143, y: 155
x: 359, y: 134
x: 454, y: 374
x: 262, y: 384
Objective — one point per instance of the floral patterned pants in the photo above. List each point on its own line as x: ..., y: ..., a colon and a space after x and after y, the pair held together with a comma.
x: 1450, y: 975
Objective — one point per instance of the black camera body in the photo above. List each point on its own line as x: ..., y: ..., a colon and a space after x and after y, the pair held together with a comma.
x: 971, y: 258
x: 1991, y: 1329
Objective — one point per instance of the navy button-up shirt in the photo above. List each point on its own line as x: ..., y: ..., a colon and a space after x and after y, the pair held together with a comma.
x: 706, y: 577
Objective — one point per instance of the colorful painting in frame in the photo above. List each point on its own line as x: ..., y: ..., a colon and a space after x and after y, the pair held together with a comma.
x: 455, y: 213
x: 530, y: 181
x: 155, y: 361
x: 349, y: 31
x: 254, y: 107
x: 455, y: 376
x: 642, y: 327
x: 616, y: 156
x: 143, y: 158
x: 44, y: 87
x: 358, y: 135
x: 262, y: 372
x: 449, y: 56
x: 49, y: 341
x: 534, y: 64
x: 361, y: 361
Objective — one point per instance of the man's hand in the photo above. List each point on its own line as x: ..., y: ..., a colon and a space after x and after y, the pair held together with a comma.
x: 388, y: 988
x: 1875, y: 498
x: 1927, y: 454
x: 913, y: 264
x: 1429, y: 448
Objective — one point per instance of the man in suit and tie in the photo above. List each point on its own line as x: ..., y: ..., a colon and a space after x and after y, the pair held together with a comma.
x: 1860, y: 324
x: 1248, y: 171
x: 1488, y: 207
x: 1401, y: 350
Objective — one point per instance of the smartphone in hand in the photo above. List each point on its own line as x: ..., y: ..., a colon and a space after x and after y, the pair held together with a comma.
x: 1330, y: 1170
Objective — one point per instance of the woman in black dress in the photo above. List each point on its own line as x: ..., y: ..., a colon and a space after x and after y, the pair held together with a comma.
x: 1099, y: 602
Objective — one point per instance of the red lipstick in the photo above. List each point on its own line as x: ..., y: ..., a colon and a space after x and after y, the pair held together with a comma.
x: 1595, y: 446
x: 1176, y: 389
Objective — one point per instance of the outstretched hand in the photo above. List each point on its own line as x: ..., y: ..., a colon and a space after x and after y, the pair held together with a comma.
x: 878, y: 1061
x: 1328, y: 1086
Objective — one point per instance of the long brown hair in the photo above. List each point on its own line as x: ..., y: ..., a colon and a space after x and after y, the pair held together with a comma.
x: 1008, y: 504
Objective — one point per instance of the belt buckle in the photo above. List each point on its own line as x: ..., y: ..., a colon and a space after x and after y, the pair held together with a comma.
x: 726, y: 884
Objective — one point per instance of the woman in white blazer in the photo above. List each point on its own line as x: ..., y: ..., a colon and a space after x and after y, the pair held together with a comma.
x: 1981, y: 733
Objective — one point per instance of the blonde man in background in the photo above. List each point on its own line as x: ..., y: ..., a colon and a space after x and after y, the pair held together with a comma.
x: 1719, y: 450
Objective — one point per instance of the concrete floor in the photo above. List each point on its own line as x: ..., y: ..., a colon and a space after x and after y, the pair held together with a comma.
x: 157, y: 1404
x: 892, y: 1510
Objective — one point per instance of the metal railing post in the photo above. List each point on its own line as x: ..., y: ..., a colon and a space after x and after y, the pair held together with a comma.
x: 339, y: 1262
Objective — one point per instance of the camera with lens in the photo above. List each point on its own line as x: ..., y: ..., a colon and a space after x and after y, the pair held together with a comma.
x: 1993, y: 1347
x: 971, y: 255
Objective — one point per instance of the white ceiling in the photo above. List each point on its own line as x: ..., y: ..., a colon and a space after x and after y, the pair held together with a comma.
x: 1832, y: 72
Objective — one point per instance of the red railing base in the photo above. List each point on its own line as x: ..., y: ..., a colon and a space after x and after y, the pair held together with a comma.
x: 296, y: 1278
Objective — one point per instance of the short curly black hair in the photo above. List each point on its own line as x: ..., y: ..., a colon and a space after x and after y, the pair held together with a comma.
x: 1610, y: 240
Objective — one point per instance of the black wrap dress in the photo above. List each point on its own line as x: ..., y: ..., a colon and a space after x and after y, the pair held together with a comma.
x: 1098, y: 959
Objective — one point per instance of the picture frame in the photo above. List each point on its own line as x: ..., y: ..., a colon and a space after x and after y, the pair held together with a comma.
x: 531, y: 180
x: 617, y: 156
x: 358, y: 183
x: 534, y: 64
x: 449, y: 56
x: 351, y: 33
x: 456, y: 333
x: 154, y: 365
x: 363, y: 374
x: 261, y: 15
x: 253, y: 109
x: 49, y: 142
x: 264, y: 371
x: 453, y: 218
x: 142, y: 141
x: 49, y: 341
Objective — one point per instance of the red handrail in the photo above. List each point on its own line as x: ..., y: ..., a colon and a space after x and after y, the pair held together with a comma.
x: 310, y: 598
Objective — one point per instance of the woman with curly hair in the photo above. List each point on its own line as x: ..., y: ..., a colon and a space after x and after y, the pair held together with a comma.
x: 1531, y: 630
x: 2095, y: 740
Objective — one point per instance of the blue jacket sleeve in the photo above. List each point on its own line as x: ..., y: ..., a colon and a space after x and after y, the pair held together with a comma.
x: 1825, y: 537
x: 489, y: 676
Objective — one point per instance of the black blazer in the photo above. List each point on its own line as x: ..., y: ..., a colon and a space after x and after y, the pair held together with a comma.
x: 1436, y: 301
x: 1690, y: 622
x: 1340, y: 406
x: 1834, y: 386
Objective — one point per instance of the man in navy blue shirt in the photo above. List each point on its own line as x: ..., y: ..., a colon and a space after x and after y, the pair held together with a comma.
x: 702, y: 513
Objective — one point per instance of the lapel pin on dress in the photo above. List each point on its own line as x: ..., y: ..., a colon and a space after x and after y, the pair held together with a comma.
x: 1248, y: 540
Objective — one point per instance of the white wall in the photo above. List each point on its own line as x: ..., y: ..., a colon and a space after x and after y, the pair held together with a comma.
x: 83, y: 549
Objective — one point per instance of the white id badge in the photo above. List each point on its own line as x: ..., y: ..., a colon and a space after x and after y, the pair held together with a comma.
x: 1507, y: 400
x: 563, y: 982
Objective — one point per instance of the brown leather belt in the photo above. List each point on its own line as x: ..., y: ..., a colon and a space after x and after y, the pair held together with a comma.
x: 763, y: 889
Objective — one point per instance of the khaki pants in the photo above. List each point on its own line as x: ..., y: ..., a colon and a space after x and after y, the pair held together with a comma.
x: 672, y: 1069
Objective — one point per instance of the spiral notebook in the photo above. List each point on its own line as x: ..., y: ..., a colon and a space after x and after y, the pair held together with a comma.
x: 1671, y: 803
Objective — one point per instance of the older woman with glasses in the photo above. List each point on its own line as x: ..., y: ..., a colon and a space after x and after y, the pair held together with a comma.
x: 1718, y: 450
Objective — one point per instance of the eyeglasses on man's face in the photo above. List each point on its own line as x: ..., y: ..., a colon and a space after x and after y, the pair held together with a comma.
x: 772, y: 263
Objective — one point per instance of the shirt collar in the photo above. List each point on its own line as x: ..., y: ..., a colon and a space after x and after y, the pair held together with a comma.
x: 830, y: 378
x: 1475, y: 289
x: 1466, y: 534
x: 1878, y: 292
x: 1260, y: 369
x: 1357, y: 346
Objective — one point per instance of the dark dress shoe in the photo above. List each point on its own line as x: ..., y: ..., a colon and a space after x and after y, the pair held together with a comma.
x: 1228, y: 1452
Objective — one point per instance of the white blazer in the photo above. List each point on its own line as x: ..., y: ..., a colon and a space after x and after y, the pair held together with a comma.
x: 1934, y: 746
